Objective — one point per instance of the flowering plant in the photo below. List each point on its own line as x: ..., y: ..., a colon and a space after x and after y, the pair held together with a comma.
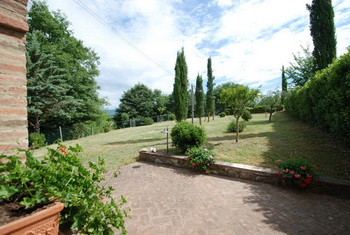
x: 89, y: 207
x: 297, y: 172
x: 201, y: 158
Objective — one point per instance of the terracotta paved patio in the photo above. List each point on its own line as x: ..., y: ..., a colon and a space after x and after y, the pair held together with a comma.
x: 167, y: 200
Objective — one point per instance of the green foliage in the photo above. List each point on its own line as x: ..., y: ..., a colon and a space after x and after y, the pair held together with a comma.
x: 172, y: 117
x: 324, y: 100
x: 199, y: 94
x: 238, y: 99
x: 37, y: 140
x: 89, y: 205
x: 323, y: 33
x: 106, y: 128
x: 257, y: 109
x: 221, y: 107
x: 222, y: 114
x: 210, y: 101
x: 246, y: 115
x: 148, y: 121
x: 180, y: 92
x: 271, y: 101
x: 297, y: 172
x: 232, y: 126
x: 198, y: 157
x: 186, y: 135
x: 61, y: 72
x: 302, y: 70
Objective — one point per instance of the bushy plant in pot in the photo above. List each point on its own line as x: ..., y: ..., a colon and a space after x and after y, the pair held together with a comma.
x: 89, y: 207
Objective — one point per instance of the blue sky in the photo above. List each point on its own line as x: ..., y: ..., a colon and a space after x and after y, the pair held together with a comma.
x: 248, y: 40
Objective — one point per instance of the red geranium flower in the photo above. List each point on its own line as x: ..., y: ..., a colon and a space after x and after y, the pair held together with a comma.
x: 193, y: 164
x: 307, y: 181
x: 63, y: 150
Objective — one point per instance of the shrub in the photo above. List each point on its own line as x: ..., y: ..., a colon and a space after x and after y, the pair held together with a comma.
x: 246, y: 115
x: 37, y: 140
x: 232, y: 126
x: 222, y: 114
x: 186, y: 135
x: 258, y: 109
x: 297, y: 172
x: 201, y: 158
x: 148, y: 121
x: 89, y: 207
x: 106, y: 128
x: 172, y: 117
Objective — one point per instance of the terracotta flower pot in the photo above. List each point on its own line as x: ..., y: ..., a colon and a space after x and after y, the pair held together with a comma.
x: 45, y: 221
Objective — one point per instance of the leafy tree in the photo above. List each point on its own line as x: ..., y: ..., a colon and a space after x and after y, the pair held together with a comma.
x: 161, y: 101
x: 137, y: 102
x: 210, y: 102
x: 180, y: 93
x: 322, y: 32
x: 221, y: 107
x: 199, y: 94
x: 46, y: 87
x: 238, y: 100
x: 270, y: 101
x: 302, y: 70
x: 50, y: 30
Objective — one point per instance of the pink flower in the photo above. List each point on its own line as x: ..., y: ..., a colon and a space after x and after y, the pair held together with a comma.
x: 193, y: 164
x: 303, y: 167
x: 308, y: 176
x: 291, y: 172
x: 297, y: 176
x: 307, y: 181
x: 211, y: 157
x: 189, y: 150
x: 205, y: 149
x: 277, y: 172
x: 278, y: 160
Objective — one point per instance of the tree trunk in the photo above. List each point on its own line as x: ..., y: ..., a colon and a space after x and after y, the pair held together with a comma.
x: 37, y: 124
x: 237, y: 129
x: 208, y: 116
x: 270, y: 118
x: 200, y: 120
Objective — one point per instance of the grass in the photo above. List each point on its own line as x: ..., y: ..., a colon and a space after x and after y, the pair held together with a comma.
x: 260, y: 144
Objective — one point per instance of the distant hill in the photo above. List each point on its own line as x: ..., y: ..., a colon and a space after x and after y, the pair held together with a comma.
x: 110, y: 111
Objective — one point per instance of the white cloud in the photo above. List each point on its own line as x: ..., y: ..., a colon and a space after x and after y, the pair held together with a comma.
x: 249, y: 40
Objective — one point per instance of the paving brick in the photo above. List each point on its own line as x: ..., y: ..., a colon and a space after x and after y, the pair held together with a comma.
x: 217, y: 205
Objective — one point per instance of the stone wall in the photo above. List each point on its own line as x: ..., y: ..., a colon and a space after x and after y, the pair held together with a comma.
x: 325, y: 185
x: 13, y: 92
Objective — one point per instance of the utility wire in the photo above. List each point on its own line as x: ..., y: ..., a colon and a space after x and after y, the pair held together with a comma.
x: 82, y: 5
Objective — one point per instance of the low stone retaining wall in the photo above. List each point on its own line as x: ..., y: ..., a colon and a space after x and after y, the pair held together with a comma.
x: 325, y: 185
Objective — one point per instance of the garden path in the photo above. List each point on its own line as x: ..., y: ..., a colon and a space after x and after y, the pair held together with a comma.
x: 167, y: 200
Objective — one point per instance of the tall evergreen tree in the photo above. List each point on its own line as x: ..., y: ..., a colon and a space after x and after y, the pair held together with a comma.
x: 284, y: 85
x: 322, y: 32
x: 210, y: 87
x: 180, y: 92
x: 199, y: 94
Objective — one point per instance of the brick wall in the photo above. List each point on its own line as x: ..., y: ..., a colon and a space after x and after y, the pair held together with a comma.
x: 13, y: 92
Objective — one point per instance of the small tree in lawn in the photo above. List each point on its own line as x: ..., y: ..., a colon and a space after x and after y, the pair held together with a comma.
x: 238, y: 99
x: 199, y: 94
x: 270, y: 101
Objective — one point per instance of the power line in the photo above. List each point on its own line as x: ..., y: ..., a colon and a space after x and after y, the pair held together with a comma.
x: 82, y: 5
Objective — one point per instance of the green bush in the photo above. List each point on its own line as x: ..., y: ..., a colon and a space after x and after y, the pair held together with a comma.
x: 297, y: 172
x: 222, y: 114
x: 106, y: 128
x: 37, y: 140
x: 186, y: 135
x: 324, y: 100
x: 172, y: 117
x: 148, y: 121
x: 232, y: 126
x: 201, y: 158
x: 258, y: 109
x: 246, y: 115
x: 89, y: 207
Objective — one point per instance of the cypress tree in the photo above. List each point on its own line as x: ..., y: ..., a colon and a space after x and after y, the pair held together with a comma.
x: 322, y: 32
x: 210, y: 88
x: 180, y: 87
x: 284, y: 85
x: 199, y: 94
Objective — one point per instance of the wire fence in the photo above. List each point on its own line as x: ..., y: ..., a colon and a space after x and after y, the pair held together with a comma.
x: 81, y: 130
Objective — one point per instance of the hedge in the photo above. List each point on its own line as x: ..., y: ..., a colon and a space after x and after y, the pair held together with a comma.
x: 324, y: 100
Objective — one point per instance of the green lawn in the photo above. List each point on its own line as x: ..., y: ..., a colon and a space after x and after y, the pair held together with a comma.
x: 261, y: 144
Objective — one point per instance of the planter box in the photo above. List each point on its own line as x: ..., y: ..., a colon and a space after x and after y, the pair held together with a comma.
x: 42, y: 222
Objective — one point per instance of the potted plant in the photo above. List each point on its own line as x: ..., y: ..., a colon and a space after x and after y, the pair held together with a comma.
x: 88, y: 205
